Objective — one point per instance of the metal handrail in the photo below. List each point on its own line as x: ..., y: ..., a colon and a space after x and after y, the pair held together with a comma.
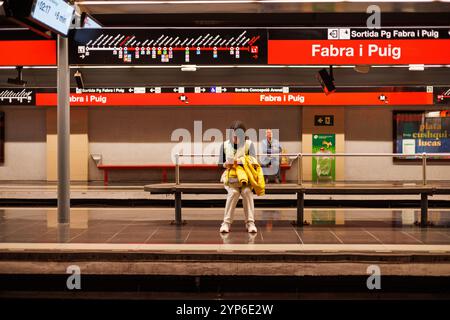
x: 258, y: 154
x: 375, y: 154
x: 299, y: 156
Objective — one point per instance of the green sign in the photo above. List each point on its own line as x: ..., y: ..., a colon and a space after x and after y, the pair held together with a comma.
x: 324, y: 166
x: 320, y: 217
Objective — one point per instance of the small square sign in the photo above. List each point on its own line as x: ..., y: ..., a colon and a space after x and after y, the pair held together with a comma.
x: 324, y: 120
x: 333, y: 34
x: 344, y: 34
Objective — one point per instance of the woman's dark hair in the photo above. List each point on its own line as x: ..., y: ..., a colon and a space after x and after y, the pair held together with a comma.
x: 238, y: 124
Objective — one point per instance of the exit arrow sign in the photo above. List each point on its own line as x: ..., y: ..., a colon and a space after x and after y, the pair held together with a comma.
x: 324, y: 120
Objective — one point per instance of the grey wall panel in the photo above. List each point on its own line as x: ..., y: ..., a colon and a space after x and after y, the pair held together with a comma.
x: 137, y: 135
x: 25, y: 145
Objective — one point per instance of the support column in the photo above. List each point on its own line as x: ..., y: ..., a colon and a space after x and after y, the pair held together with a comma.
x: 178, y: 217
x: 63, y: 125
x: 423, y: 209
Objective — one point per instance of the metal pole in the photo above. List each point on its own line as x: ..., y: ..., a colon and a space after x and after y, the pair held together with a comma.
x: 424, y: 168
x: 177, y: 169
x: 63, y: 125
x: 178, y: 217
x: 423, y: 209
x: 300, y: 208
x: 301, y: 168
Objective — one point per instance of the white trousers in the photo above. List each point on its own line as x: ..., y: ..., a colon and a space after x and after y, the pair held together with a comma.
x: 232, y: 200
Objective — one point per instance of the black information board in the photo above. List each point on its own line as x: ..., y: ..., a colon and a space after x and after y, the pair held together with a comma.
x: 168, y: 46
x: 442, y: 96
x: 339, y: 33
x: 13, y: 96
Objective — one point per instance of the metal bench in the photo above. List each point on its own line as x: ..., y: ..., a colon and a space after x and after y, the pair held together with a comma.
x: 300, y: 191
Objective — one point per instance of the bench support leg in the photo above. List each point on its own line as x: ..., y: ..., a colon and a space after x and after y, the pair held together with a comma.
x: 423, y: 209
x: 283, y: 176
x: 300, y: 210
x: 178, y: 218
x: 105, y: 177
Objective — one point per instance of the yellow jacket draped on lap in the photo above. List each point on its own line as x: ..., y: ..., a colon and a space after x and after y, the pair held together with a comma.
x: 249, y: 173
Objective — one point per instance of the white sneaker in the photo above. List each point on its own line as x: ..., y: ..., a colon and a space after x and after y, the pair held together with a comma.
x: 225, y: 227
x: 251, y: 228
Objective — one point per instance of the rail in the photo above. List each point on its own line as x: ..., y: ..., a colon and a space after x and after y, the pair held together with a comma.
x: 299, y: 157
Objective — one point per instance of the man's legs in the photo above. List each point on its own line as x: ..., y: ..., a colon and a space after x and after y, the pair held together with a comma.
x: 230, y: 206
x: 249, y: 209
x: 277, y: 175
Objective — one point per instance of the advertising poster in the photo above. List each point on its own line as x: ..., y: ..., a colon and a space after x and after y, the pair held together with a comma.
x: 324, y: 167
x: 323, y: 217
x: 418, y: 132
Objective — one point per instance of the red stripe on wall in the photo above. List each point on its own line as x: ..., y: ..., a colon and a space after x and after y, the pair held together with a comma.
x: 28, y: 53
x: 241, y: 99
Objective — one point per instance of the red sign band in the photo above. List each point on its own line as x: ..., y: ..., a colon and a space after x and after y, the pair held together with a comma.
x: 242, y: 99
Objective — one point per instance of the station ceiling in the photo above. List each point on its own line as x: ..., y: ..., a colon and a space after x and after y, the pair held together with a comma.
x: 210, y: 13
x: 266, y: 13
x: 253, y: 6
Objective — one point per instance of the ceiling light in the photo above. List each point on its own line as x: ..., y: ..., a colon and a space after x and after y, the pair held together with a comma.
x: 416, y: 67
x: 190, y: 67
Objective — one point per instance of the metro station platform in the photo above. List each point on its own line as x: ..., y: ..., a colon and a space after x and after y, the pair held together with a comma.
x: 112, y: 244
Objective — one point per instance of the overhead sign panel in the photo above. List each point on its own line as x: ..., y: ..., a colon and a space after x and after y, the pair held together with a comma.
x: 54, y: 14
x: 87, y: 22
x: 224, y: 96
x: 169, y: 46
x: 240, y: 96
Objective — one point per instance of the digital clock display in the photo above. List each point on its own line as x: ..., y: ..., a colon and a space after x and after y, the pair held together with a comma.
x: 54, y: 14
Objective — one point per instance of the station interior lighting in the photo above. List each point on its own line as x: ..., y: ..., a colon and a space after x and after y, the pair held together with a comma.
x: 416, y: 67
x: 189, y: 68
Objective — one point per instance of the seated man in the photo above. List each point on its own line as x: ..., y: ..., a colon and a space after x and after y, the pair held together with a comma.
x: 236, y: 147
x: 270, y: 164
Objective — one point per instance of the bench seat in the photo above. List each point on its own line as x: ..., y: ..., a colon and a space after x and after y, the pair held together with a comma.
x: 300, y: 190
